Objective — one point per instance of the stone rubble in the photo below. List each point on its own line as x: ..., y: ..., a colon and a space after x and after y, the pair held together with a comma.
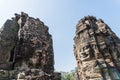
x: 97, y: 50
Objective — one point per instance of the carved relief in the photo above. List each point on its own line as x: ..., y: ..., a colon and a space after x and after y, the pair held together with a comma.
x: 26, y: 49
x: 96, y: 50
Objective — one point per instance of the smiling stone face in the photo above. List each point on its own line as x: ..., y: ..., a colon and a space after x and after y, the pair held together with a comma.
x: 85, y: 53
x: 36, y: 59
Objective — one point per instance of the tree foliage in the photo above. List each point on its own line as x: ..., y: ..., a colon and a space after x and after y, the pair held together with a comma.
x: 68, y: 75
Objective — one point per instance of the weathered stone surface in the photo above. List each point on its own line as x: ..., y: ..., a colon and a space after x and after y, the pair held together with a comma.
x: 26, y: 50
x: 8, y: 38
x: 97, y: 50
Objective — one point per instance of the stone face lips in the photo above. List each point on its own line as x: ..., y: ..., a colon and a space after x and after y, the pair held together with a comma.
x: 26, y: 49
x: 97, y: 50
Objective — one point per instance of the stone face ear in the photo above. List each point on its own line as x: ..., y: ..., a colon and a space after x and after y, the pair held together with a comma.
x: 101, y: 57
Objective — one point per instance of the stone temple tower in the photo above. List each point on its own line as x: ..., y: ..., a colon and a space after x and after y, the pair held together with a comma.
x: 26, y: 51
x: 97, y: 50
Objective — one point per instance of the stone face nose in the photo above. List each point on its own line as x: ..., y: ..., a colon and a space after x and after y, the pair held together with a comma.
x: 103, y: 62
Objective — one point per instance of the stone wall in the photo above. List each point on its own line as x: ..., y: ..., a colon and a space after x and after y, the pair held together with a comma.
x: 26, y: 50
x: 97, y: 50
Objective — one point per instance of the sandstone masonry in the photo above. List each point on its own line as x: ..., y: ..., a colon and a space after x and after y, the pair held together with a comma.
x: 26, y: 50
x: 97, y: 50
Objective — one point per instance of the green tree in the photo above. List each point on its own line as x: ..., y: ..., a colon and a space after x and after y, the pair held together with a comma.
x: 68, y: 75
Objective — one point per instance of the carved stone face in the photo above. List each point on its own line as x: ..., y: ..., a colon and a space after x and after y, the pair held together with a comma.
x: 102, y: 27
x: 84, y: 53
x: 36, y: 57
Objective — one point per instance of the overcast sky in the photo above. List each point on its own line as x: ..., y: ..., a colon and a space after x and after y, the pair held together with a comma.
x: 62, y: 16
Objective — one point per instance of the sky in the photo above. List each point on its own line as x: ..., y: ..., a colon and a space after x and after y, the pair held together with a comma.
x: 61, y: 16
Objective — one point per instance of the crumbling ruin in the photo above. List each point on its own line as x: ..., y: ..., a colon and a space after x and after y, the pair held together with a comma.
x: 26, y: 51
x: 97, y: 50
